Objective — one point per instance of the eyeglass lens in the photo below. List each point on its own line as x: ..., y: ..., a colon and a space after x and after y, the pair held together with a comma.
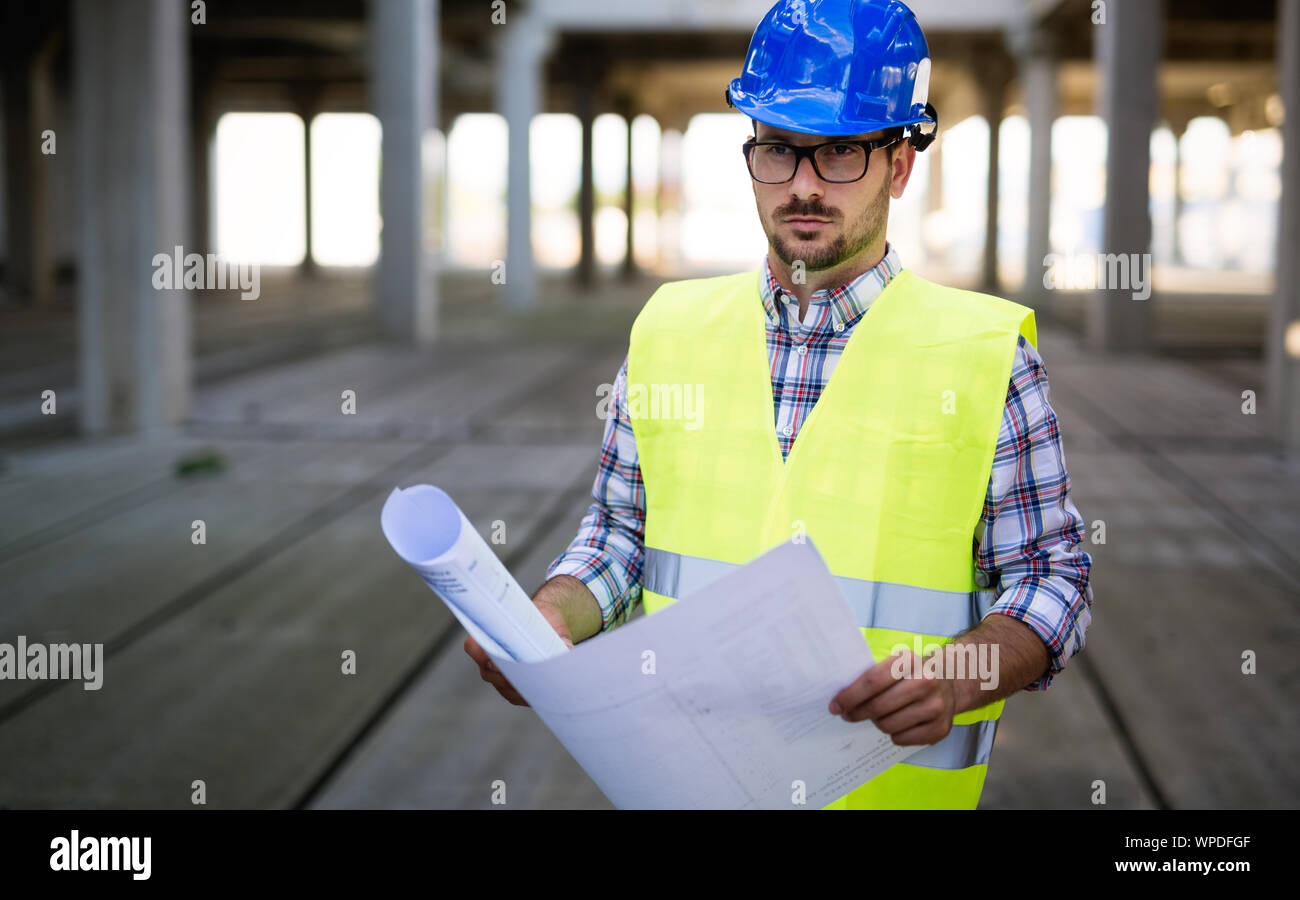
x: 834, y: 162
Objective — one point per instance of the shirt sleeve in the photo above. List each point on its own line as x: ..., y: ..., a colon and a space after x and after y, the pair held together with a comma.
x: 609, y: 550
x: 1031, y: 534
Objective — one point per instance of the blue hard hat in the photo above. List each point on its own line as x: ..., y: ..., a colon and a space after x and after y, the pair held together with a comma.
x: 836, y: 67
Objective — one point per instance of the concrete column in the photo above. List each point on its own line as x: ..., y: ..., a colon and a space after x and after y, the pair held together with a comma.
x: 308, y: 101
x: 670, y: 199
x: 521, y: 55
x: 41, y: 224
x: 203, y: 120
x: 994, y: 77
x: 15, y: 74
x: 308, y: 265
x: 629, y: 202
x: 586, y: 270
x: 1036, y: 52
x: 24, y: 79
x: 131, y: 80
x: 1127, y: 50
x: 1283, y: 343
x: 444, y: 193
x: 1179, y: 128
x: 404, y: 97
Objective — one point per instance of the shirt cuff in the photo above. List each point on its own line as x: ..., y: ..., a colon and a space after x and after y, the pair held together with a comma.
x: 1056, y: 612
x: 592, y: 568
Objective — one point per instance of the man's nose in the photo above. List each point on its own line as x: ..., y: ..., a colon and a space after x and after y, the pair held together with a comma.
x: 806, y: 182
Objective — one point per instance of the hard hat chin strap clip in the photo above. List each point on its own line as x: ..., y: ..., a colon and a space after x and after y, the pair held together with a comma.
x: 922, y: 139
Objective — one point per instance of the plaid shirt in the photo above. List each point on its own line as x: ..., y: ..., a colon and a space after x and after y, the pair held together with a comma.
x: 1029, y: 534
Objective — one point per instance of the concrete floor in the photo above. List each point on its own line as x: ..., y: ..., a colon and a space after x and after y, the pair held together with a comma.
x: 222, y: 659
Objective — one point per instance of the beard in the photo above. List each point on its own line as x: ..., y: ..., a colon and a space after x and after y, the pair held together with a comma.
x: 861, y: 234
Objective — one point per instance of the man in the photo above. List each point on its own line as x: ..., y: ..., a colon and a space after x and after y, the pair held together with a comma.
x: 928, y: 471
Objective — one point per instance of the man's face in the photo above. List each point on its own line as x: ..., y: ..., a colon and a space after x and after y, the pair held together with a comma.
x: 824, y: 224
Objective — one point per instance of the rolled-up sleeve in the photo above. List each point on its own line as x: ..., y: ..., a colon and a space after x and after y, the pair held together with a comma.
x: 1031, y: 534
x: 609, y: 550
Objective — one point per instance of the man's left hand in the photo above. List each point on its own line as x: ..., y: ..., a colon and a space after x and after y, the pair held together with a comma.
x: 912, y: 710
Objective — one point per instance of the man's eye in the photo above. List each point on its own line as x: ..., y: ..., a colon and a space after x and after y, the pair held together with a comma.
x: 776, y: 149
x: 842, y: 149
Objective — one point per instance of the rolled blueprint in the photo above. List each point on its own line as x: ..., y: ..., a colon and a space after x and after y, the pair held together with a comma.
x: 429, y: 531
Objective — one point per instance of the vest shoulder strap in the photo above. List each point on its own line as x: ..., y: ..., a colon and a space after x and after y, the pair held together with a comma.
x: 697, y: 300
x: 943, y: 299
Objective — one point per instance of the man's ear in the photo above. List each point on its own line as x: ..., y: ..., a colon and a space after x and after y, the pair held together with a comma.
x: 906, y: 157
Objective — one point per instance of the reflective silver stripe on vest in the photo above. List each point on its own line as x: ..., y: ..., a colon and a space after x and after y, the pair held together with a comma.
x: 875, y: 604
x: 965, y: 745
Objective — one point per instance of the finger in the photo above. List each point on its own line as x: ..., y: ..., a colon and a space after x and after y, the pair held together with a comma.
x: 504, y: 687
x: 476, y: 653
x: 866, y: 686
x: 897, y: 696
x: 922, y: 711
x: 493, y: 677
x: 479, y: 655
x: 930, y: 733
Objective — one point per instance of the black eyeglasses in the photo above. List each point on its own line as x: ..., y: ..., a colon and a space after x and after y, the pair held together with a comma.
x: 837, y: 162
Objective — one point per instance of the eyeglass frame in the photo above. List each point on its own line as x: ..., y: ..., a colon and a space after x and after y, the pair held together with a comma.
x: 809, y: 151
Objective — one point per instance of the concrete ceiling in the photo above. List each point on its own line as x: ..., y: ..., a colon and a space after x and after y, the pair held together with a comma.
x: 672, y: 58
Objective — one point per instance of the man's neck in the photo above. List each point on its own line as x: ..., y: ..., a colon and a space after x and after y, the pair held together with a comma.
x: 823, y: 279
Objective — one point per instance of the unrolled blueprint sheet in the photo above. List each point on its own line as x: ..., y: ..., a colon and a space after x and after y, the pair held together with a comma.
x: 720, y: 700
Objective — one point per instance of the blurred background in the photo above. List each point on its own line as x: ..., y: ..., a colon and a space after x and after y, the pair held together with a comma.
x: 447, y: 214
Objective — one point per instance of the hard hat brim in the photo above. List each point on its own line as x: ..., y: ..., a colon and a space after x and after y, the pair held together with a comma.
x: 805, y: 111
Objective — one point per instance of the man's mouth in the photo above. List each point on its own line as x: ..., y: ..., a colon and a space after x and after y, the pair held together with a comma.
x: 807, y: 224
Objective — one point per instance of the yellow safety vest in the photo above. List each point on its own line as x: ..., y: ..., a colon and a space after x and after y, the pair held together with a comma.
x: 887, y: 476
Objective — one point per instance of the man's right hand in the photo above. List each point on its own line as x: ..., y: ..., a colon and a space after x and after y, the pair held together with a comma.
x: 492, y: 675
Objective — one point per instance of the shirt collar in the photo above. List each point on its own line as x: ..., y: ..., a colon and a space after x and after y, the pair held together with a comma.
x: 848, y: 301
